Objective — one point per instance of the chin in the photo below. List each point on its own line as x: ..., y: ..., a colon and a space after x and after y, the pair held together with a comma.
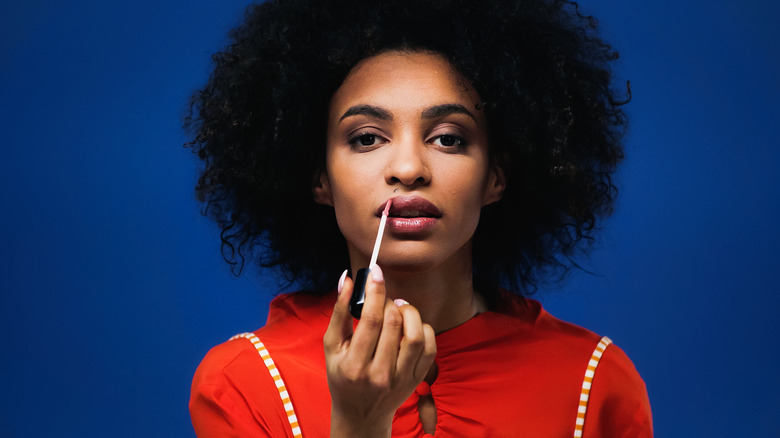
x: 408, y: 265
x: 413, y: 257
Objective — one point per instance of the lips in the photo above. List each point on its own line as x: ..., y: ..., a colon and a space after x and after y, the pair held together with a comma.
x: 411, y: 215
x: 410, y: 206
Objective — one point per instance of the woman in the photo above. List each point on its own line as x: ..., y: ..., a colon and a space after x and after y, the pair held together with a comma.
x: 493, y: 132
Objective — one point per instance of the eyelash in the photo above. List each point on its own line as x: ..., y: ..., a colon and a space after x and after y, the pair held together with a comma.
x: 459, y: 142
x: 355, y: 140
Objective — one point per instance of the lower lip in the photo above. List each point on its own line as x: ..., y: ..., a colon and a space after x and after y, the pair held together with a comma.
x: 411, y: 225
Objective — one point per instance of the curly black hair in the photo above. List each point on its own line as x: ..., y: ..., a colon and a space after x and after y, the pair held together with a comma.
x: 555, y: 126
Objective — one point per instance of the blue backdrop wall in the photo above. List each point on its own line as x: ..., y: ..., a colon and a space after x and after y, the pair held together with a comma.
x: 113, y: 287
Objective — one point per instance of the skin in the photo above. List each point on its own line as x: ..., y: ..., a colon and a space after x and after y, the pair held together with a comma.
x: 402, y: 124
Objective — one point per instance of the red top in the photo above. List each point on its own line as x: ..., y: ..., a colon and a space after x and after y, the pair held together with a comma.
x: 510, y: 375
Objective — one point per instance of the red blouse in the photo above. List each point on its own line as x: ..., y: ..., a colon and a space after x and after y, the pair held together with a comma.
x: 499, y: 375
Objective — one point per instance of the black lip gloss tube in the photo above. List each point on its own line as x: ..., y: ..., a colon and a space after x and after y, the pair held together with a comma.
x: 359, y: 293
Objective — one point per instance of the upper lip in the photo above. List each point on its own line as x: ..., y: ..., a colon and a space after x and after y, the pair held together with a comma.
x: 417, y: 205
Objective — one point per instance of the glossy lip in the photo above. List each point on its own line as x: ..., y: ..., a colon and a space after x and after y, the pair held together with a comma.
x: 414, y: 225
x: 411, y: 226
x: 400, y: 203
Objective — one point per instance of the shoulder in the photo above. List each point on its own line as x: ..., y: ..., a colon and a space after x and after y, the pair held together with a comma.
x: 291, y: 318
x: 226, y: 380
x: 552, y: 333
x: 617, y: 400
x: 618, y: 404
x: 226, y: 360
x: 233, y: 390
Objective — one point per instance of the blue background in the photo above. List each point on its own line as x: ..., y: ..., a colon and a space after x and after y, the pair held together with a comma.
x: 113, y: 287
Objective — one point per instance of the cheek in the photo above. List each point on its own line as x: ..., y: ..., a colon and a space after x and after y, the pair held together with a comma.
x: 467, y: 187
x: 351, y: 185
x: 351, y: 181
x: 466, y: 182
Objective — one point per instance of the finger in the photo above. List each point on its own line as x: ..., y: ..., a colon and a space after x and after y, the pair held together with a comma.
x: 428, y: 354
x: 366, y: 335
x: 387, y: 347
x: 340, y: 325
x: 413, y: 342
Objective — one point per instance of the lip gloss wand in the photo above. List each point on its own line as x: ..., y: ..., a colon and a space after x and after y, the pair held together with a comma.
x: 359, y: 291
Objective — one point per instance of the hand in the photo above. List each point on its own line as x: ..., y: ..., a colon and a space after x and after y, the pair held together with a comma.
x: 374, y: 369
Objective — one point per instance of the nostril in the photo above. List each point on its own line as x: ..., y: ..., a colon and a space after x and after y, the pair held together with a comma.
x: 407, y: 175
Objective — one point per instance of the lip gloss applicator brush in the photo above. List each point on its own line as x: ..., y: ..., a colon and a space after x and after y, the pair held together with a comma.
x: 359, y: 291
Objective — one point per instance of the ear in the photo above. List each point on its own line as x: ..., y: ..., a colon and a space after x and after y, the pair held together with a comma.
x: 495, y: 186
x: 321, y: 188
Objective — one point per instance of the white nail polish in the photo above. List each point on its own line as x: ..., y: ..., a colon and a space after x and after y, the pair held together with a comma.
x: 376, y: 273
x: 341, y: 281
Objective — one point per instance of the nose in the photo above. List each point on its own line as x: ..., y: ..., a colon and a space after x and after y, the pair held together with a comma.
x: 408, y: 164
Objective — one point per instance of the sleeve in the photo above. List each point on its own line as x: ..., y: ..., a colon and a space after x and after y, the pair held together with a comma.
x: 233, y: 395
x: 619, y: 406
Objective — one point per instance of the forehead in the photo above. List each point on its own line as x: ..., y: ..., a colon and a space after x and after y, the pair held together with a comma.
x: 404, y: 80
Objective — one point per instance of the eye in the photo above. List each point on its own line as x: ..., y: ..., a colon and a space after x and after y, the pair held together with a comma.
x: 449, y: 140
x: 365, y: 140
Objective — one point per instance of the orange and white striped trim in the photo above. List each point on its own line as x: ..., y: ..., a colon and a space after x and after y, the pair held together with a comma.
x: 586, y: 383
x: 269, y: 363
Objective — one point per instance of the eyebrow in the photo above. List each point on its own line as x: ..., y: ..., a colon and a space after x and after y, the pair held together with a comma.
x: 367, y: 110
x: 433, y: 112
x: 437, y: 111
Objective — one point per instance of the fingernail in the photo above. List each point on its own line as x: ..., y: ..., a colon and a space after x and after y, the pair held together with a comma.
x: 341, y: 281
x: 399, y: 302
x: 376, y: 273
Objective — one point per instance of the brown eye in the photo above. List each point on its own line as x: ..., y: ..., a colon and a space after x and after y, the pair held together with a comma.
x: 367, y: 139
x: 450, y: 140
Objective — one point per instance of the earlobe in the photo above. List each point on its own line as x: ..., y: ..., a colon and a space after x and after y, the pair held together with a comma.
x: 321, y: 189
x: 496, y: 185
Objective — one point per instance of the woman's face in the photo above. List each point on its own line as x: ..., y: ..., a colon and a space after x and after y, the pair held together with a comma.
x: 406, y: 126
